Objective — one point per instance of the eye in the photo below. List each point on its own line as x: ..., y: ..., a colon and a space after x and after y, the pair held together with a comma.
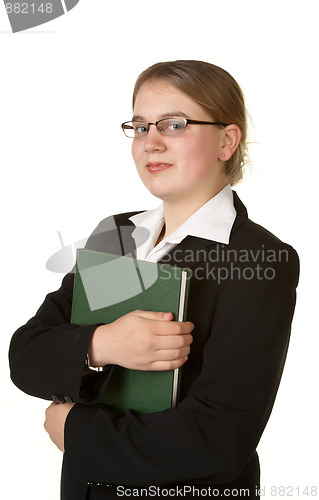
x: 173, y: 125
x: 140, y: 128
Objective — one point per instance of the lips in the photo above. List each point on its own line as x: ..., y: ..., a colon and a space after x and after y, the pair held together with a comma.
x: 157, y: 166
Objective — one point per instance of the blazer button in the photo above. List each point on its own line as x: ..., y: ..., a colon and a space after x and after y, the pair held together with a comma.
x: 55, y: 398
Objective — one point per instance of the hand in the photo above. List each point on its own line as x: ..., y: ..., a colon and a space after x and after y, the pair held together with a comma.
x: 142, y: 340
x: 54, y: 423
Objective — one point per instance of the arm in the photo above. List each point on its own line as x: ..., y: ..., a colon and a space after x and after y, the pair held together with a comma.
x: 47, y: 354
x: 213, y: 432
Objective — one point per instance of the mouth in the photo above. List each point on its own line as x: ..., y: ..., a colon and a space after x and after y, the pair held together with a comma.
x: 157, y: 166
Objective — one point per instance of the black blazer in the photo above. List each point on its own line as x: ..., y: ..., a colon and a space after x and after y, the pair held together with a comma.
x: 242, y: 299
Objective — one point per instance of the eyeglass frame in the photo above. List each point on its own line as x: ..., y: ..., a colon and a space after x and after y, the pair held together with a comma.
x: 186, y: 120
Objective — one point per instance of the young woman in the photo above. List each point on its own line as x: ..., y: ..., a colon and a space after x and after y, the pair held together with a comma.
x: 189, y: 146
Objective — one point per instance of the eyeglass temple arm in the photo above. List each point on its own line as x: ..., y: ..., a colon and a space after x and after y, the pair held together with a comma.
x: 207, y: 123
x: 126, y: 126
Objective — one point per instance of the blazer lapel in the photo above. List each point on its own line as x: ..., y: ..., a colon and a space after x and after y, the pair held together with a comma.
x: 242, y: 215
x: 188, y: 253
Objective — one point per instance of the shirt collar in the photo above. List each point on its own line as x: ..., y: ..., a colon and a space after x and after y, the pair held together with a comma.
x: 212, y: 221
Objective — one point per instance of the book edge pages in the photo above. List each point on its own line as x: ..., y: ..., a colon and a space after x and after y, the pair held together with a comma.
x: 76, y: 272
x: 180, y: 318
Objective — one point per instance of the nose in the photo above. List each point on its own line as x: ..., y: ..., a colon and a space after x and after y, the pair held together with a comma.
x: 154, y: 141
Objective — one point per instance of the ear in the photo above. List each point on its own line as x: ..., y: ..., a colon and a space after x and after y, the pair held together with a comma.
x: 230, y: 141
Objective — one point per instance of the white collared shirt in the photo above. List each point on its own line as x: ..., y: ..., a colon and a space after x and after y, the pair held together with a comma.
x: 212, y: 221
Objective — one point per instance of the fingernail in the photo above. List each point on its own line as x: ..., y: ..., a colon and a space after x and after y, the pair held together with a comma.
x: 167, y: 315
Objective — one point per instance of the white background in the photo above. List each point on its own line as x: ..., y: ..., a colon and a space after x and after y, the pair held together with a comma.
x: 65, y: 88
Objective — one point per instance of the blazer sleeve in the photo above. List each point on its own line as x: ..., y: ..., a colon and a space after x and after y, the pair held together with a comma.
x: 47, y: 355
x: 213, y: 432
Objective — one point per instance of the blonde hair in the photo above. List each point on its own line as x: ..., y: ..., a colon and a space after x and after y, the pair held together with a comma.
x: 216, y: 91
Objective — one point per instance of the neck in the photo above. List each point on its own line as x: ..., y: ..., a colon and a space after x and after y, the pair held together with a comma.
x: 178, y: 211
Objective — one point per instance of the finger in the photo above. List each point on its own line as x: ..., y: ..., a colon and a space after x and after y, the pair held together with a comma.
x: 173, y: 341
x: 154, y: 315
x: 173, y: 328
x: 166, y: 365
x: 171, y: 354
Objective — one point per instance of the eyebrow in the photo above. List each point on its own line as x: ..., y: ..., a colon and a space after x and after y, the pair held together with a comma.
x: 164, y: 115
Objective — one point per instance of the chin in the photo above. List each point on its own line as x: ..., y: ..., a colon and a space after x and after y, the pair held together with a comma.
x: 160, y: 195
x: 159, y: 192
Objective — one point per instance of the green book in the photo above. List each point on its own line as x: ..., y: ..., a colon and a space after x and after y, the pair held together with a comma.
x: 108, y: 286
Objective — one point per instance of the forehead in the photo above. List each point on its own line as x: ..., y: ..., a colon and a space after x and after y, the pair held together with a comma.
x: 157, y: 98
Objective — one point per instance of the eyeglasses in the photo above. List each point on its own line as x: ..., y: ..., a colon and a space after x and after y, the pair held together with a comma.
x: 166, y: 126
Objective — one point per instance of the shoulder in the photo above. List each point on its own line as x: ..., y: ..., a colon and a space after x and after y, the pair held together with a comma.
x: 256, y: 244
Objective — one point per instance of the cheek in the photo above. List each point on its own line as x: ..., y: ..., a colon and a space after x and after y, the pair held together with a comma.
x: 198, y: 157
x: 137, y: 152
x: 133, y: 150
x: 207, y: 152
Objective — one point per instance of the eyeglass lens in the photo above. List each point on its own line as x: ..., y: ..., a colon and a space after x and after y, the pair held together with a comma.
x: 167, y: 126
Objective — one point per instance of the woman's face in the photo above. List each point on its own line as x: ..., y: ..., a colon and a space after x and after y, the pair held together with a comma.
x: 191, y: 168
